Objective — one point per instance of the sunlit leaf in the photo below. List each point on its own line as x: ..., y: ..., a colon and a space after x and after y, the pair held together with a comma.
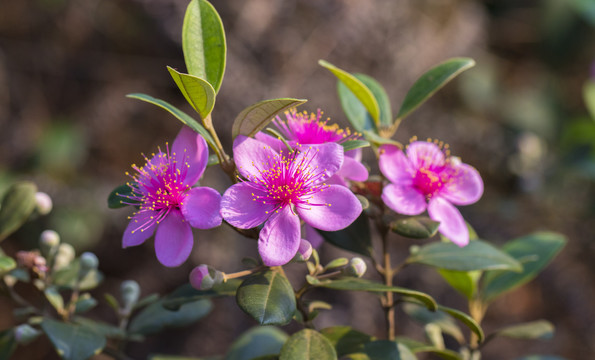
x: 73, y: 342
x: 308, y: 344
x: 417, y: 227
x: 256, y: 342
x: 18, y: 203
x: 346, y: 340
x: 256, y: 117
x: 198, y: 92
x: 540, y: 329
x: 464, y: 282
x: 445, y: 322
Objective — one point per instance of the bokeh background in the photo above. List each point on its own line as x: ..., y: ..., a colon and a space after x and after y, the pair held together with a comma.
x: 519, y: 117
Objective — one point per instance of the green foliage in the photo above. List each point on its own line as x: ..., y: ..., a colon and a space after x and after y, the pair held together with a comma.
x: 7, y: 344
x: 387, y: 350
x: 589, y: 97
x: 186, y: 293
x: 256, y: 342
x: 420, y: 347
x: 386, y: 114
x: 256, y: 117
x: 203, y: 43
x: 268, y: 297
x: 441, y: 319
x: 73, y: 342
x: 540, y: 329
x: 356, y: 237
x: 6, y: 264
x: 354, y: 144
x: 417, y: 227
x: 117, y: 196
x: 198, y: 92
x: 67, y: 277
x: 17, y: 205
x: 308, y: 344
x: 464, y: 282
x: 346, y: 340
x: 354, y: 109
x: 156, y: 318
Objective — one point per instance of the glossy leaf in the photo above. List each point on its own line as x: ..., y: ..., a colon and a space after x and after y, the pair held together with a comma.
x: 541, y: 329
x: 256, y: 117
x: 465, y: 319
x: 388, y: 350
x: 386, y: 114
x: 6, y: 264
x: 54, y: 298
x: 477, y: 255
x: 417, y: 227
x: 356, y: 237
x: 198, y: 92
x: 420, y: 347
x: 118, y: 195
x: 66, y: 278
x: 432, y: 81
x: 441, y: 319
x: 464, y: 282
x: 156, y: 318
x: 354, y: 144
x: 361, y: 91
x: 307, y: 344
x: 101, y: 328
x: 541, y: 246
x: 186, y: 293
x: 179, y: 114
x: 203, y: 42
x: 7, y: 344
x: 268, y: 297
x: 85, y: 303
x: 73, y: 342
x: 257, y: 342
x: 346, y: 340
x: 355, y: 111
x: 589, y: 97
x: 367, y: 285
x: 17, y: 204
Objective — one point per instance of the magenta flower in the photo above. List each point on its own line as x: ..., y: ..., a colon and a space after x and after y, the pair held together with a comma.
x: 167, y: 202
x: 278, y: 189
x: 306, y: 129
x: 429, y: 178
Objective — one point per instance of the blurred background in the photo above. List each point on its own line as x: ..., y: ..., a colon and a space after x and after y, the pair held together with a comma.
x: 519, y: 117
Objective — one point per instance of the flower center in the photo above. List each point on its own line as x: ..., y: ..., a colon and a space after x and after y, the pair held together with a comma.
x: 310, y: 129
x: 429, y: 181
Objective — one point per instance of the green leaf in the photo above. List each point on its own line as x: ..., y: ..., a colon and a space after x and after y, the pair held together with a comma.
x: 73, y: 342
x: 156, y: 318
x: 203, y: 42
x: 186, y: 293
x: 379, y: 140
x: 355, y: 111
x: 179, y: 114
x: 465, y: 319
x: 101, y: 328
x: 417, y: 227
x: 257, y: 342
x: 339, y: 262
x: 85, y: 303
x: 345, y: 340
x: 356, y: 237
x: 354, y: 144
x: 66, y: 278
x: 18, y: 203
x: 420, y: 347
x: 589, y: 97
x: 268, y: 297
x: 477, y: 255
x: 118, y: 195
x: 432, y: 81
x: 441, y: 319
x: 540, y: 329
x: 6, y: 264
x: 54, y: 297
x: 367, y: 285
x: 255, y: 117
x: 544, y: 245
x: 387, y: 350
x: 464, y: 282
x: 198, y: 92
x: 307, y: 344
x: 7, y: 344
x: 361, y: 91
x: 386, y: 114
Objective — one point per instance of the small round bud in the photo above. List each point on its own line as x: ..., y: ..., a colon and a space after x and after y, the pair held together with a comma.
x: 89, y: 261
x: 356, y: 268
x: 204, y: 277
x: 64, y: 256
x: 43, y: 203
x: 304, y: 251
x: 130, y: 292
x: 48, y: 242
x: 25, y: 334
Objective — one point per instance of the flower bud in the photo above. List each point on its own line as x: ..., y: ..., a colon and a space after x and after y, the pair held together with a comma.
x: 48, y: 242
x: 43, y: 203
x: 204, y: 277
x: 304, y: 251
x: 356, y: 268
x: 130, y: 292
x: 25, y: 334
x: 88, y: 262
x: 64, y: 256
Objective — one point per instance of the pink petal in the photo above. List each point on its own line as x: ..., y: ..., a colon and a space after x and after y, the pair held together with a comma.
x: 251, y: 155
x: 395, y: 165
x: 337, y: 209
x: 279, y: 238
x: 201, y: 207
x: 271, y: 141
x: 452, y: 224
x: 404, y: 199
x: 353, y: 170
x: 313, y: 236
x: 136, y: 233
x: 191, y: 154
x: 355, y: 154
x: 305, y: 249
x: 425, y: 154
x: 337, y: 180
x: 239, y: 208
x: 327, y: 157
x: 173, y: 240
x: 465, y: 188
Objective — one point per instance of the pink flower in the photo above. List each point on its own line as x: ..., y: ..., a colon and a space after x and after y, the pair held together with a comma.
x: 167, y: 202
x: 428, y: 178
x: 280, y: 188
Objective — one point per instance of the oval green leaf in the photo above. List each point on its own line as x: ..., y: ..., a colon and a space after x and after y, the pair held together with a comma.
x: 361, y: 91
x: 539, y: 247
x: 6, y: 264
x: 255, y: 117
x: 465, y: 319
x: 418, y: 227
x: 54, y: 298
x: 198, y: 92
x: 268, y: 297
x: 354, y: 144
x: 356, y: 237
x: 540, y: 329
x: 432, y: 81
x: 367, y: 285
x: 257, y: 342
x: 420, y: 347
x: 477, y: 255
x: 73, y: 342
x: 464, y: 282
x: 155, y: 318
x: 117, y: 196
x: 589, y: 97
x: 424, y: 316
x: 386, y: 114
x: 388, y: 350
x: 346, y: 340
x: 203, y: 42
x: 186, y: 293
x: 308, y: 344
x: 179, y: 114
x: 8, y: 344
x: 355, y: 111
x: 18, y: 203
